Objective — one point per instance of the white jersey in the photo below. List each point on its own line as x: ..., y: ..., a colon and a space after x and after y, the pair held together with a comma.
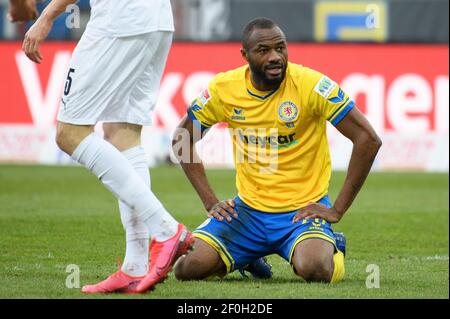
x: 119, y: 18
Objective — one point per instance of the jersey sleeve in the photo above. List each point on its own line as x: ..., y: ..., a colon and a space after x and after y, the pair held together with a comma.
x: 328, y: 100
x: 206, y: 110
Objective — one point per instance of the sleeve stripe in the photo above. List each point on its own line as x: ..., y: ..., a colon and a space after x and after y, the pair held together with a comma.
x: 343, y: 113
x: 338, y: 109
x: 196, y: 122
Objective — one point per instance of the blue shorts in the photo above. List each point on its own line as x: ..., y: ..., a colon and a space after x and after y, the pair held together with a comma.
x: 255, y: 234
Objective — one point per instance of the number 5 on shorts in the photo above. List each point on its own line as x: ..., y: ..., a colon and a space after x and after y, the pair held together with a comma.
x: 68, y: 82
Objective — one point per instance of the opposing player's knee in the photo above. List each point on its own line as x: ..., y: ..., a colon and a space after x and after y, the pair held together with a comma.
x: 316, y: 270
x: 108, y: 132
x: 122, y: 135
x: 69, y: 136
x: 61, y: 138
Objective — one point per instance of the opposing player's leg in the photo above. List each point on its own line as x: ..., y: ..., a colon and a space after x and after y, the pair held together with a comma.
x: 119, y: 176
x: 201, y: 263
x: 127, y: 139
x: 123, y: 136
x: 69, y: 136
x: 84, y: 104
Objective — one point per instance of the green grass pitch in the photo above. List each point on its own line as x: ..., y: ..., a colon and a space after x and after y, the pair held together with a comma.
x: 52, y: 217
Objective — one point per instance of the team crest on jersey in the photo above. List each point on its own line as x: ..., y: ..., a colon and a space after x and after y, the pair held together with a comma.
x: 288, y: 111
x: 204, y: 97
x: 325, y: 86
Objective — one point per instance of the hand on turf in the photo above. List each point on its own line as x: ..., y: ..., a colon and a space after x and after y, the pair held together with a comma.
x: 34, y: 37
x: 223, y: 210
x: 22, y: 11
x: 317, y: 210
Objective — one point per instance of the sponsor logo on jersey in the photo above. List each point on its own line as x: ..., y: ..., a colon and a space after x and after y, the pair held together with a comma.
x: 272, y: 140
x: 204, y: 97
x: 288, y: 111
x: 325, y: 86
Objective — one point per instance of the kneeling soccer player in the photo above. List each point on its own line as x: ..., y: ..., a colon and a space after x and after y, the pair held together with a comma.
x: 276, y: 112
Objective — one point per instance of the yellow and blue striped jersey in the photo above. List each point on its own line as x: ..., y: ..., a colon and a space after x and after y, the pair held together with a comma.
x: 279, y: 137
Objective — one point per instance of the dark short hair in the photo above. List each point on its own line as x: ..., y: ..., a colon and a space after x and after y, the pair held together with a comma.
x: 257, y: 23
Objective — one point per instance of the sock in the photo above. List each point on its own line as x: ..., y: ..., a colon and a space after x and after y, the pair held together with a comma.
x: 135, y: 262
x: 339, y: 269
x: 167, y: 226
x: 119, y: 176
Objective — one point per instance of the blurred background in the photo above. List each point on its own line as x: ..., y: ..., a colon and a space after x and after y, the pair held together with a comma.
x: 391, y: 56
x: 400, y: 21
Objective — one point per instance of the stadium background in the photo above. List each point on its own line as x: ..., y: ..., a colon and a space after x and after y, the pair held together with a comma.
x: 391, y: 56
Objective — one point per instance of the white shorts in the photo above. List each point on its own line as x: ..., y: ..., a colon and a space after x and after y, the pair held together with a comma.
x: 114, y: 79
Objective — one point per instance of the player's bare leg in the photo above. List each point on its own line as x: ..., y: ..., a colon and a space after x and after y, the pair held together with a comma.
x: 148, y: 216
x: 122, y: 135
x: 200, y: 263
x: 69, y: 136
x: 127, y: 139
x: 313, y: 260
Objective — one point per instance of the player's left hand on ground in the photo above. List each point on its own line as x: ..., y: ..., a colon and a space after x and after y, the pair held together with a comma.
x: 33, y: 39
x: 317, y: 210
x: 22, y: 11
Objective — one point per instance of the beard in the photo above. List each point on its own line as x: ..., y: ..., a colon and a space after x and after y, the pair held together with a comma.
x: 260, y: 75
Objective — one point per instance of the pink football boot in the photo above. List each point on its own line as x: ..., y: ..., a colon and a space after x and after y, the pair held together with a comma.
x: 117, y: 282
x: 163, y: 255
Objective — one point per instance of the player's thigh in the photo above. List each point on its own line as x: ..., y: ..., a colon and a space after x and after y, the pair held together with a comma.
x: 122, y: 135
x: 313, y: 258
x: 200, y: 263
x: 145, y: 92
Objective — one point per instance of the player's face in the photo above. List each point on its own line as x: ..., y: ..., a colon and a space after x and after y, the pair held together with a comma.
x: 267, y: 56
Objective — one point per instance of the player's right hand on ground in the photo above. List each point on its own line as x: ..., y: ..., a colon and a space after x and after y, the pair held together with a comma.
x: 223, y: 210
x: 22, y: 11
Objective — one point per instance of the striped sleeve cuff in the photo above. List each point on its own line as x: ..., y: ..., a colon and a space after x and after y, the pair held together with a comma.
x: 339, y: 116
x: 196, y: 122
